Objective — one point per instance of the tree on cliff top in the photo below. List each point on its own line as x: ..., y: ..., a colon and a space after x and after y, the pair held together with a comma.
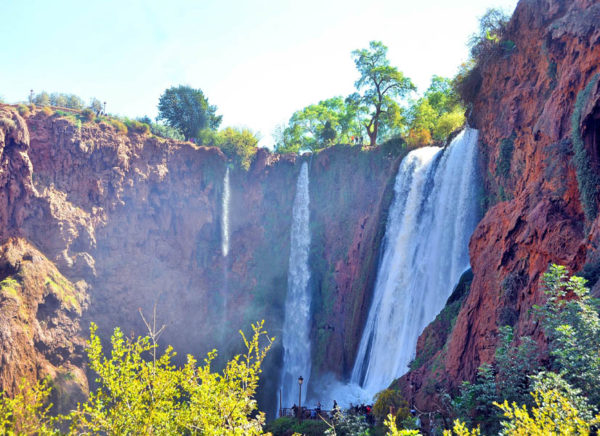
x: 187, y: 110
x: 318, y: 126
x: 382, y: 83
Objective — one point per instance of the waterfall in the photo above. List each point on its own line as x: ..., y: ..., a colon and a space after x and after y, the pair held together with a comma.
x: 433, y: 215
x: 296, y: 327
x: 225, y: 215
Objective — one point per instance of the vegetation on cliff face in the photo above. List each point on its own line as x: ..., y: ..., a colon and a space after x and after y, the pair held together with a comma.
x: 587, y: 178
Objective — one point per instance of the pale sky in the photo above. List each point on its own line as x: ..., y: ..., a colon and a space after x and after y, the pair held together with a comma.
x: 258, y: 61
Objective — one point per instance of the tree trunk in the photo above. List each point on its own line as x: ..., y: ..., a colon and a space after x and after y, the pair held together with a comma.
x: 373, y: 134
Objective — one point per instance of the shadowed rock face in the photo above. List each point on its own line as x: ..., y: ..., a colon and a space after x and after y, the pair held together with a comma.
x: 524, y: 114
x: 131, y: 221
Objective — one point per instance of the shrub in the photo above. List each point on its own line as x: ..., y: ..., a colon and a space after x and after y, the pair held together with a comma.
x: 88, y: 114
x: 390, y: 398
x: 137, y: 126
x: 23, y: 110
x: 166, y: 132
x: 572, y: 324
x: 118, y: 125
x: 467, y: 82
x: 47, y: 110
x: 8, y: 123
x: 27, y: 412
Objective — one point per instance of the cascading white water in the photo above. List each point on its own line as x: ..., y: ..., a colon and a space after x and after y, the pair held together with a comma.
x: 296, y: 327
x: 225, y: 215
x: 434, y: 213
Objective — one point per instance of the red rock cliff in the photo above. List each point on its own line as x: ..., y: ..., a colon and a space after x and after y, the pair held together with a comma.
x: 524, y: 111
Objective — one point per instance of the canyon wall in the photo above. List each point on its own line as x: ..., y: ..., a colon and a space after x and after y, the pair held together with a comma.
x: 100, y: 225
x: 538, y: 111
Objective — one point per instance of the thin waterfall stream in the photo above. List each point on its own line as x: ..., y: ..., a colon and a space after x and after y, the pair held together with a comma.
x: 296, y: 327
x: 225, y: 215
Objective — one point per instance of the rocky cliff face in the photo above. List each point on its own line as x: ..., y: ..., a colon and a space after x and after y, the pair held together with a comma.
x: 98, y: 225
x: 539, y: 143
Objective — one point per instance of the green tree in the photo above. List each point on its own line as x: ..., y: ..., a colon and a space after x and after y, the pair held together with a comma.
x: 382, y: 84
x: 515, y: 364
x: 318, y: 126
x: 188, y: 110
x: 239, y: 145
x: 58, y: 99
x: 572, y: 324
x: 475, y: 402
x: 435, y: 115
x: 42, y: 99
x: 96, y: 105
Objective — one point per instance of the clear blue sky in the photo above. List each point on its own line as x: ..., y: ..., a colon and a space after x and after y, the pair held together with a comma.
x: 258, y: 60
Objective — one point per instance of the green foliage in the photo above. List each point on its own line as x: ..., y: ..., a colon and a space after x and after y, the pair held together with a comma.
x: 318, y: 126
x: 137, y: 126
x: 553, y: 414
x: 587, y: 179
x: 460, y: 429
x: 88, y: 114
x: 140, y: 396
x: 96, y: 105
x: 187, y: 110
x: 8, y: 123
x: 390, y: 423
x: 492, y: 27
x: 27, y: 412
x: 467, y: 81
x: 42, y: 99
x: 475, y: 402
x: 347, y: 424
x: 390, y: 398
x: 119, y: 125
x: 434, y: 116
x: 377, y: 107
x: 23, y: 110
x: 507, y: 146
x: 485, y: 45
x: 164, y: 131
x: 240, y: 145
x: 287, y: 425
x: 515, y: 365
x: 572, y: 324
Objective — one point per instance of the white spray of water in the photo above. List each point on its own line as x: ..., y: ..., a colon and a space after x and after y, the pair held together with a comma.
x: 434, y: 213
x: 296, y: 327
x: 225, y: 215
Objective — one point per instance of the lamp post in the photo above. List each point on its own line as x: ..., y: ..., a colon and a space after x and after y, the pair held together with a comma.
x: 300, y: 380
x: 104, y: 109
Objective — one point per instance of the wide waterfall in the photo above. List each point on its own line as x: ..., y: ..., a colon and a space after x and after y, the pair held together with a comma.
x: 296, y: 327
x: 225, y: 215
x: 433, y: 215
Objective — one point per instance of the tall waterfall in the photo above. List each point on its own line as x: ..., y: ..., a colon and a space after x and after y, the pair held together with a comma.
x: 296, y: 328
x: 433, y: 215
x: 225, y: 215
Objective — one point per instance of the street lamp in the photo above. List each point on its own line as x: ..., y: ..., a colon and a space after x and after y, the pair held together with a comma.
x: 300, y: 380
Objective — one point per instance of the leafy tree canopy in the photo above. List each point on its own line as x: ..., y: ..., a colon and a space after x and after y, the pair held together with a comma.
x: 319, y: 125
x: 381, y: 84
x: 435, y: 115
x: 240, y: 145
x: 188, y: 110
